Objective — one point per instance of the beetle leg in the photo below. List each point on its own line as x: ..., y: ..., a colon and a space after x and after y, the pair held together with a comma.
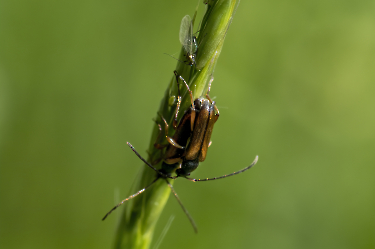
x: 187, y: 86
x: 177, y: 110
x: 178, y: 103
x: 224, y: 176
x: 214, y: 103
x: 156, y: 144
x: 209, y: 98
x: 191, y: 99
x: 170, y: 139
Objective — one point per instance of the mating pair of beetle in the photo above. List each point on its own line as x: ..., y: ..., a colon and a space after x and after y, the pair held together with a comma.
x: 187, y: 147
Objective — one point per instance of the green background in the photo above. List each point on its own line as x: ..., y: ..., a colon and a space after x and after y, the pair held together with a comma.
x: 294, y: 85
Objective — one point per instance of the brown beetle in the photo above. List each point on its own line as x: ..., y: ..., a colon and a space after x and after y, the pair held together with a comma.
x: 200, y: 119
x: 188, y: 146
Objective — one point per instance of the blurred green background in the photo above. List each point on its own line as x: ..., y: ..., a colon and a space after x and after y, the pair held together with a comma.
x: 294, y: 85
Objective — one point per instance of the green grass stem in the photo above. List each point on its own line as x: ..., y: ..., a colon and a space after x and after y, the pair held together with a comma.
x: 137, y: 223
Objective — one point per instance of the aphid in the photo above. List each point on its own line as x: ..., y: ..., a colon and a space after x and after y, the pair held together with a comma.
x: 188, y: 146
x: 188, y: 40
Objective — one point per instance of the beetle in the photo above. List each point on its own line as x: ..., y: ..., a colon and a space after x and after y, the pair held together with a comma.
x: 188, y: 146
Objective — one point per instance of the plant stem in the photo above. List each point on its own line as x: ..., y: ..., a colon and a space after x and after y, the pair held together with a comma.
x: 140, y: 215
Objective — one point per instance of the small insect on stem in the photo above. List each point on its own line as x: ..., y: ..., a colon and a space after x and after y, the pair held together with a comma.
x: 188, y: 146
x: 188, y: 40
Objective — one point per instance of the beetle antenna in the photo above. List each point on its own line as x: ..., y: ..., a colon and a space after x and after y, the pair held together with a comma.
x: 147, y: 163
x: 130, y: 197
x: 183, y: 208
x: 224, y: 176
